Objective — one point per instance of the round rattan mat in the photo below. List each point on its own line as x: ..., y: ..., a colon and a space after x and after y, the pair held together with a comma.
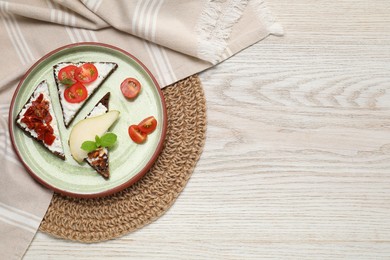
x: 93, y: 220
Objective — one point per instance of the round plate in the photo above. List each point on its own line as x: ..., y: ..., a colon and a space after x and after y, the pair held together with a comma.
x: 128, y: 161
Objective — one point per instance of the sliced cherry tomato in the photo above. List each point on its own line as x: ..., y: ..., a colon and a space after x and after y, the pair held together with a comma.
x: 86, y: 73
x: 136, y: 135
x: 38, y: 100
x: 130, y: 87
x: 148, y: 125
x: 76, y: 93
x: 49, y: 139
x: 42, y: 129
x: 48, y: 118
x: 66, y: 75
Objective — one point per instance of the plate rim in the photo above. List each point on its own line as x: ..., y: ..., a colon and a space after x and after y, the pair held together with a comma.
x: 115, y: 189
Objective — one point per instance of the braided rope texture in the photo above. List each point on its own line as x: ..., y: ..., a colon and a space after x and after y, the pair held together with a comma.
x: 99, y: 219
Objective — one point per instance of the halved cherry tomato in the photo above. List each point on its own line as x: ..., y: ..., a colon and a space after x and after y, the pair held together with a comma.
x: 86, y: 73
x: 136, y: 135
x: 148, y: 125
x: 130, y: 87
x: 66, y: 75
x: 76, y: 93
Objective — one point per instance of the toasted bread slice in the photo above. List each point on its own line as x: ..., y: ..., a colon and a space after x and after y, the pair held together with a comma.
x: 99, y: 161
x: 70, y: 110
x: 38, y: 120
x: 99, y: 158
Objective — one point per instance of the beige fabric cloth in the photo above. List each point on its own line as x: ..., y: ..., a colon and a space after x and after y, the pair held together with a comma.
x: 174, y: 39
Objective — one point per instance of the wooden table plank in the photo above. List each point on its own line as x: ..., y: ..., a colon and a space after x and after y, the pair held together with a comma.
x: 297, y: 159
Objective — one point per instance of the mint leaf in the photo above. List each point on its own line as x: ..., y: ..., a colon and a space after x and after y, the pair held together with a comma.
x: 108, y: 140
x: 89, y: 146
x: 97, y: 141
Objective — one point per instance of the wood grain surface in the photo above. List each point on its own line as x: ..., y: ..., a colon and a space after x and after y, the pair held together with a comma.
x: 297, y: 158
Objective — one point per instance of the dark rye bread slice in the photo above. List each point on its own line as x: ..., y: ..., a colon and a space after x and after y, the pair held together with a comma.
x: 104, y: 101
x: 71, y: 110
x: 56, y: 148
x: 99, y: 159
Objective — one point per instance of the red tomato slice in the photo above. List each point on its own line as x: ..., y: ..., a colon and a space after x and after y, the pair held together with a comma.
x: 66, y: 75
x: 130, y: 87
x: 86, y: 73
x: 76, y: 93
x: 136, y: 135
x: 49, y: 139
x: 148, y: 125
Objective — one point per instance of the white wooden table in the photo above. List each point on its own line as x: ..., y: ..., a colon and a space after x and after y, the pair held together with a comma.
x: 297, y: 159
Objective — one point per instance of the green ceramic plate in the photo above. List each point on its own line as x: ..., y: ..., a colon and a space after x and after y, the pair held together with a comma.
x: 128, y: 161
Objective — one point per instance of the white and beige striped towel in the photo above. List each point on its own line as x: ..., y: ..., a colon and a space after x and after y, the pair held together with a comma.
x: 174, y: 39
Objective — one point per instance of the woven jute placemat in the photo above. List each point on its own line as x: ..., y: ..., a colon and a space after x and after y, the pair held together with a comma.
x: 94, y: 220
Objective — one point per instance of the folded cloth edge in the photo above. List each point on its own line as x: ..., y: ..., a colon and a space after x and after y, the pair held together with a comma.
x: 216, y: 23
x: 268, y: 18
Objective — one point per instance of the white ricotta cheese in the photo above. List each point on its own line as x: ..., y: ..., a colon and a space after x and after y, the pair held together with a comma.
x: 98, y: 110
x: 70, y: 109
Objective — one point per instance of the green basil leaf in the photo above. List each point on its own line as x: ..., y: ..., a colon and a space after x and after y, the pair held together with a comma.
x: 108, y: 139
x: 98, y: 141
x: 89, y: 146
x: 67, y: 82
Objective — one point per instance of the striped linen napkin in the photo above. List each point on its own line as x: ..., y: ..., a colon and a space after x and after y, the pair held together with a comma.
x: 174, y: 39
